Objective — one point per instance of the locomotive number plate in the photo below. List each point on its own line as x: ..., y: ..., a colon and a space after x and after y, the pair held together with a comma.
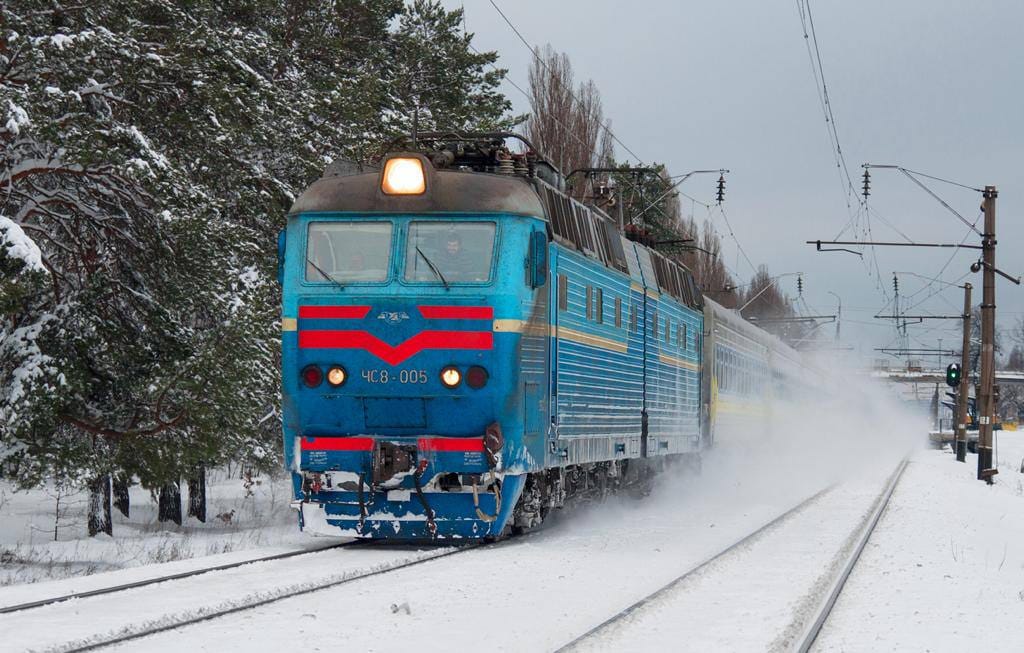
x: 395, y: 376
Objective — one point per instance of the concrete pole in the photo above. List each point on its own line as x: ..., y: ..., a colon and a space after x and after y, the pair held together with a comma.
x: 986, y: 412
x: 965, y: 375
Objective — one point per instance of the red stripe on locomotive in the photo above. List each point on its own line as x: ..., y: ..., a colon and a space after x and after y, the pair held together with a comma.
x: 325, y: 339
x: 336, y: 312
x: 450, y: 444
x: 457, y: 312
x: 337, y: 444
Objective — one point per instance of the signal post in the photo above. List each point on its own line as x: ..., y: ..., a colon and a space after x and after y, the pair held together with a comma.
x: 987, y: 265
x: 961, y: 395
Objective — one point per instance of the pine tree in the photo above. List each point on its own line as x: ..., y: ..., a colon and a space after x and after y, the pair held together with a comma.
x: 438, y: 80
x: 149, y: 152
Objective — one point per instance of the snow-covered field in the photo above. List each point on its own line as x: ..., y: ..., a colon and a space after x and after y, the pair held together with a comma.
x: 43, y: 532
x: 944, y: 570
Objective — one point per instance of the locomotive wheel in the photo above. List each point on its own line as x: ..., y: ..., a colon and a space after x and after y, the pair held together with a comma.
x: 530, y: 510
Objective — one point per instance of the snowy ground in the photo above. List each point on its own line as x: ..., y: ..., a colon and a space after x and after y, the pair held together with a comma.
x: 944, y: 570
x: 30, y: 553
x: 532, y: 593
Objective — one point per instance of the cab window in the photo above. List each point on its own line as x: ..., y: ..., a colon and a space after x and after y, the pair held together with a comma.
x: 348, y: 252
x: 449, y: 252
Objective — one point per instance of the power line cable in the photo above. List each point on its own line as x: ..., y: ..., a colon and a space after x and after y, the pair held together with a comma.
x: 530, y: 98
x: 846, y: 181
x: 941, y: 201
x: 569, y: 90
x: 739, y: 247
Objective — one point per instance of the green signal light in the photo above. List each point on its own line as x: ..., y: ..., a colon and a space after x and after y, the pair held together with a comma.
x: 953, y: 375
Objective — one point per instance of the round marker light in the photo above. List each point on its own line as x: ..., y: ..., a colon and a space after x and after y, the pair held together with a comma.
x: 336, y: 375
x: 312, y: 376
x: 450, y: 376
x: 476, y: 377
x: 404, y: 176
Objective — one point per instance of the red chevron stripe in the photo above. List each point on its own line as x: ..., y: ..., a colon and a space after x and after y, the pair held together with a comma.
x: 457, y: 312
x: 337, y: 312
x: 324, y: 339
x: 450, y: 444
x: 338, y: 444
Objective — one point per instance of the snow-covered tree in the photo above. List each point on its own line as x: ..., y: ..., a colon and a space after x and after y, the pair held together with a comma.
x: 149, y: 151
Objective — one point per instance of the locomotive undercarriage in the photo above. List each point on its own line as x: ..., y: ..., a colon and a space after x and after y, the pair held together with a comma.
x: 575, y: 485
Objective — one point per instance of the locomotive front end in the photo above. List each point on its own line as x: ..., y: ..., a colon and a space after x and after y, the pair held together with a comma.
x: 403, y: 299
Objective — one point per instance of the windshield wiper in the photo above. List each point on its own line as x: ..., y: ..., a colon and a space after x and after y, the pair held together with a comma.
x: 433, y: 268
x: 326, y: 276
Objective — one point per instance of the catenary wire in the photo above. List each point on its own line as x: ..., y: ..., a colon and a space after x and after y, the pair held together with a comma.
x: 570, y: 91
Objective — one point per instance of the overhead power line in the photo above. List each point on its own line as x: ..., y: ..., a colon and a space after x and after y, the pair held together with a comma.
x: 846, y: 181
x: 572, y: 93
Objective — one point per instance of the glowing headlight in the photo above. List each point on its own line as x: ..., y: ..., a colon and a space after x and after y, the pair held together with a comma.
x: 336, y: 375
x: 450, y: 376
x: 404, y: 176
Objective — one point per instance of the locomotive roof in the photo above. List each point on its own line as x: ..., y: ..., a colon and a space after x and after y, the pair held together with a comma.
x: 447, y: 191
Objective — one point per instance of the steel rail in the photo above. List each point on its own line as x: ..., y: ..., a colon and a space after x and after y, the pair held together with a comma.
x: 28, y: 605
x: 664, y: 589
x: 260, y: 599
x: 811, y: 632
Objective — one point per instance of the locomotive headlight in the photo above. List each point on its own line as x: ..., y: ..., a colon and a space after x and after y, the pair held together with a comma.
x: 404, y: 176
x: 450, y: 376
x: 336, y: 375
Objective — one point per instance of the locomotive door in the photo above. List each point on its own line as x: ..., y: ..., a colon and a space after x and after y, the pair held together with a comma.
x: 535, y: 363
x: 557, y: 294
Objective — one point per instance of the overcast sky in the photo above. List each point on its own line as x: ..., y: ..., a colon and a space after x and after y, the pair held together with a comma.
x: 932, y: 86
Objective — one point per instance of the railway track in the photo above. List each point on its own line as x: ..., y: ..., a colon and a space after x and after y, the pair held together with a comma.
x: 672, y: 584
x: 113, y: 589
x: 854, y: 546
x: 259, y: 600
x: 130, y: 631
x: 859, y: 541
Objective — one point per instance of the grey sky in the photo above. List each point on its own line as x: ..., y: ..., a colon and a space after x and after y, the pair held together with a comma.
x: 933, y: 86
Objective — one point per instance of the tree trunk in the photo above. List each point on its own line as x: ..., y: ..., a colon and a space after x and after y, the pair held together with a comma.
x: 170, y: 503
x: 99, y: 506
x: 197, y: 494
x: 121, y: 499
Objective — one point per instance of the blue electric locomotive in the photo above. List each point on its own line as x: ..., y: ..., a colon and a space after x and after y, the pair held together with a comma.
x: 465, y: 347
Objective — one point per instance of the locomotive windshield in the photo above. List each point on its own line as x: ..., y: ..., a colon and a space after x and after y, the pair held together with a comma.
x: 449, y: 252
x: 348, y: 252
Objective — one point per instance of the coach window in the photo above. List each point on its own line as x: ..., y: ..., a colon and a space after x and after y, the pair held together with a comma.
x: 654, y: 324
x: 618, y: 312
x: 449, y: 252
x: 590, y: 303
x: 563, y: 292
x: 668, y: 331
x: 632, y: 318
x: 348, y: 252
x: 599, y: 306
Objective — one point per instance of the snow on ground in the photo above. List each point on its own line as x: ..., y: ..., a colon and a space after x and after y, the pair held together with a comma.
x: 71, y: 624
x: 759, y: 596
x: 538, y: 592
x: 944, y: 570
x: 29, y: 551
